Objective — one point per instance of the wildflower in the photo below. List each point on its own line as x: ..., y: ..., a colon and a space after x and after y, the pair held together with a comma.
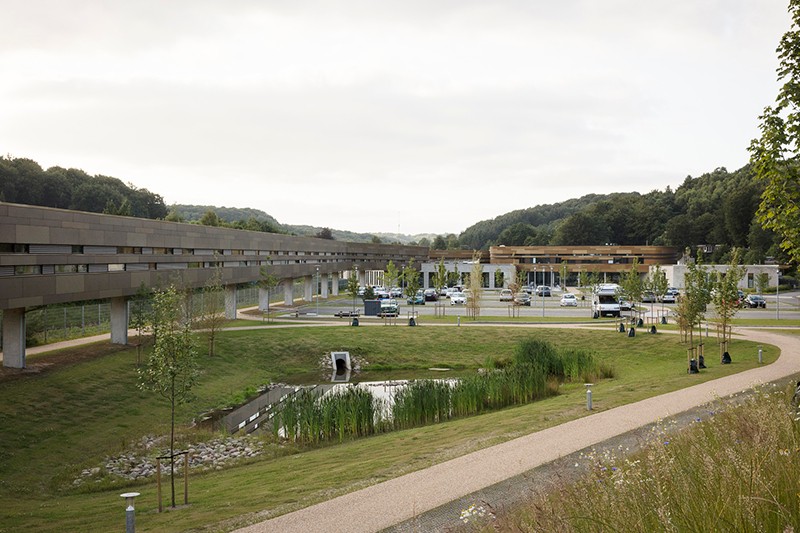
x: 666, y: 442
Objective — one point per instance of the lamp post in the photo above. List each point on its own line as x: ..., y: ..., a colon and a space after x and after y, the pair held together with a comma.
x: 778, y: 295
x: 533, y: 295
x: 551, y: 276
x: 355, y: 273
x: 318, y: 288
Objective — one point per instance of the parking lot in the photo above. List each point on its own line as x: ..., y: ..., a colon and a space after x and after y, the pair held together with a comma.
x: 491, y: 306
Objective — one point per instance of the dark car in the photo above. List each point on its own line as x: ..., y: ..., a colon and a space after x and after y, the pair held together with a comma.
x: 755, y: 300
x: 430, y: 295
x: 522, y: 298
x: 542, y: 290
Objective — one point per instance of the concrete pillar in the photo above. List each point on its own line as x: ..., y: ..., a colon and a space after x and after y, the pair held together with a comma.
x: 119, y: 320
x: 335, y: 284
x: 288, y: 292
x: 362, y: 278
x: 308, y: 288
x: 324, y: 280
x: 263, y: 299
x: 14, y: 338
x: 230, y: 302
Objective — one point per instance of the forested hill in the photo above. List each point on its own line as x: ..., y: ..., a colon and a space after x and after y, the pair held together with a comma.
x: 23, y: 181
x: 716, y: 208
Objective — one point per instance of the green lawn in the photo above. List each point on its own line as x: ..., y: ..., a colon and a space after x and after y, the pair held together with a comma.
x: 72, y: 414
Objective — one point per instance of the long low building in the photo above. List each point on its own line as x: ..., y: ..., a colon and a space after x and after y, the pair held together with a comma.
x: 50, y: 256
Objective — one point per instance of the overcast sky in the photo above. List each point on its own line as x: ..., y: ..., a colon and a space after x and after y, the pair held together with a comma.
x: 379, y: 116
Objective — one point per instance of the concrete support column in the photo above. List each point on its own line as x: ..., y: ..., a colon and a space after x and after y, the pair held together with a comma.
x: 119, y: 320
x: 323, y: 286
x: 362, y: 278
x: 288, y: 292
x: 14, y: 338
x: 263, y: 299
x: 230, y: 302
x: 335, y: 284
x: 308, y: 288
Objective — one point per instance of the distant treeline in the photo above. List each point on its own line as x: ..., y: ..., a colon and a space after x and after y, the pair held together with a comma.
x: 23, y: 181
x: 717, y: 209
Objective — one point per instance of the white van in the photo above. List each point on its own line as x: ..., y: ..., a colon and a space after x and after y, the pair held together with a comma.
x: 605, y: 301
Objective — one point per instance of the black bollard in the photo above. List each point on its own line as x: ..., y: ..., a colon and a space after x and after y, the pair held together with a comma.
x: 631, y: 332
x: 693, y: 367
x: 653, y: 330
x: 412, y: 322
x: 621, y: 327
x: 663, y: 320
x: 639, y: 323
x: 726, y: 358
x: 702, y: 363
x: 355, y: 322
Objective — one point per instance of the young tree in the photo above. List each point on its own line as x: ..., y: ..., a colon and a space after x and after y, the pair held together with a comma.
x: 391, y: 275
x: 499, y: 278
x: 454, y: 277
x: 631, y: 284
x: 475, y: 285
x: 440, y: 276
x: 171, y: 371
x: 725, y: 293
x: 411, y: 278
x: 352, y: 287
x: 774, y: 155
x: 762, y: 282
x: 692, y: 306
x: 583, y: 283
x: 518, y: 281
x: 563, y: 274
x: 268, y: 282
x: 212, y: 308
x: 658, y: 284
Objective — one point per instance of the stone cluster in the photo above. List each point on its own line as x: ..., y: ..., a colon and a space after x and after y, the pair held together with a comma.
x: 141, y: 463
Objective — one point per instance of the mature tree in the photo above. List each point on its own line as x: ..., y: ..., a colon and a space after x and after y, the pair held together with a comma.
x: 212, y: 307
x: 475, y: 286
x: 774, y: 156
x: 267, y: 282
x: 725, y: 292
x: 171, y: 371
x: 439, y: 243
x: 210, y: 218
x: 376, y: 240
x: 579, y: 229
x: 325, y: 233
x: 424, y: 241
x: 516, y: 234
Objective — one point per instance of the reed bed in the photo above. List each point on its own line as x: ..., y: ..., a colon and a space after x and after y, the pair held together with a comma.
x: 734, y: 470
x: 308, y: 418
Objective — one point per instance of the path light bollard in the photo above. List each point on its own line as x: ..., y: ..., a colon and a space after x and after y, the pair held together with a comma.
x: 458, y: 320
x: 760, y: 354
x: 588, y: 396
x: 130, y: 515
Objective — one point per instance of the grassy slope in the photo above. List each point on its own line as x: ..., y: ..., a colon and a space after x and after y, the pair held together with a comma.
x: 57, y: 422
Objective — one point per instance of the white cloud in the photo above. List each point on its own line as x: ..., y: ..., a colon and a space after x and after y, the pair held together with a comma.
x: 362, y: 115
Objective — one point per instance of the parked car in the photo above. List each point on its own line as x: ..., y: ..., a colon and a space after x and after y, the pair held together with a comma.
x: 458, y: 298
x: 542, y: 290
x: 506, y: 295
x: 671, y: 296
x: 395, y: 292
x: 755, y: 300
x: 389, y: 308
x: 430, y: 295
x: 443, y: 291
x: 625, y: 305
x: 522, y: 298
x: 355, y: 313
x: 568, y: 300
x: 528, y: 288
x: 417, y: 299
x: 648, y: 297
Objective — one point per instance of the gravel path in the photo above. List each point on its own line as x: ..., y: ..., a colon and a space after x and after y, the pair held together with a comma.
x: 404, y: 503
